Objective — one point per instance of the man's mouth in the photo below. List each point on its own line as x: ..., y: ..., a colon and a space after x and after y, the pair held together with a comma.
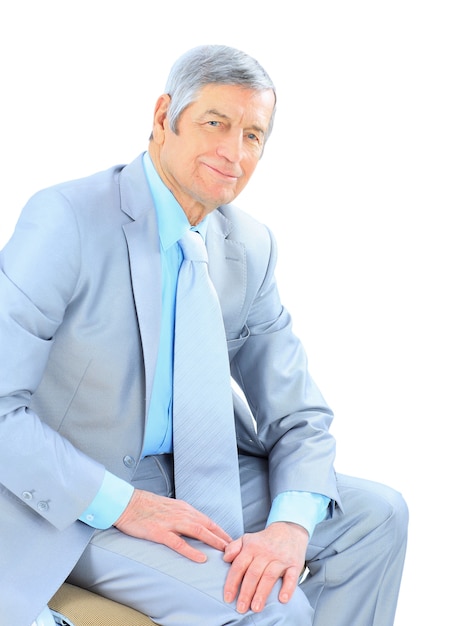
x: 227, y: 175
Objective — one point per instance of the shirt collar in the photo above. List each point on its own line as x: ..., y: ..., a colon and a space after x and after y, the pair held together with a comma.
x: 172, y: 221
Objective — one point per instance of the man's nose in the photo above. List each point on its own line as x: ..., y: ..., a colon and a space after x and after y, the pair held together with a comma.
x: 231, y: 147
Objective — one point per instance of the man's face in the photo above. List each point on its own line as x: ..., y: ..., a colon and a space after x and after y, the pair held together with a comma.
x: 220, y: 139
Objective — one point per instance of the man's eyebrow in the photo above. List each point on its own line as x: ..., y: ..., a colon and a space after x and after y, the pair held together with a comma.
x: 216, y: 113
x: 257, y: 129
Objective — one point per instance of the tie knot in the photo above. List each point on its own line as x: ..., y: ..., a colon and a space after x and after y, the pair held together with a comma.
x: 193, y: 246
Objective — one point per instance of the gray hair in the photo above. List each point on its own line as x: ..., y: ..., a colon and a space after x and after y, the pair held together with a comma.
x: 208, y: 64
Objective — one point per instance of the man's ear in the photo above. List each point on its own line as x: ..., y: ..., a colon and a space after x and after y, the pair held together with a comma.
x: 160, y: 118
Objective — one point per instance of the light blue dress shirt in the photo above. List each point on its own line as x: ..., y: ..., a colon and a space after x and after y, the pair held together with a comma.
x: 172, y: 225
x: 306, y: 509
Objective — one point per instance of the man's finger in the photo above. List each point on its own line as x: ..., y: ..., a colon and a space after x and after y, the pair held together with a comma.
x: 179, y: 545
x: 258, y: 582
x: 290, y: 582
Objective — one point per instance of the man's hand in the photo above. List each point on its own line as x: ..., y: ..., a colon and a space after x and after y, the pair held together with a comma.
x: 258, y: 560
x: 164, y: 520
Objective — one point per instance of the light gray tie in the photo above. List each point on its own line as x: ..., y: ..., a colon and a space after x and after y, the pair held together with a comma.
x: 204, y: 438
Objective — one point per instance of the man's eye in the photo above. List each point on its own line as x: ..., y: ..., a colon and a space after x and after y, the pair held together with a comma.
x: 213, y: 123
x: 253, y: 137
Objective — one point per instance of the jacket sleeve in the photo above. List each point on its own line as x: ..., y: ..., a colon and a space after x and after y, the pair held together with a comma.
x: 292, y: 417
x: 39, y: 267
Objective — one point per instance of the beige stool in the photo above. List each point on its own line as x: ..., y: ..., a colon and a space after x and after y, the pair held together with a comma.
x: 84, y: 608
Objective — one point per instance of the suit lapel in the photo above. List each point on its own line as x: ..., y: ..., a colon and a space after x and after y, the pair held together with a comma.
x: 227, y: 267
x: 145, y: 265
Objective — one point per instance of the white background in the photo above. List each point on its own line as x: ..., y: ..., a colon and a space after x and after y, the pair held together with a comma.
x: 362, y: 182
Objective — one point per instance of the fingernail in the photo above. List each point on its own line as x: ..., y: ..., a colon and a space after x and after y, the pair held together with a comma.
x: 228, y: 597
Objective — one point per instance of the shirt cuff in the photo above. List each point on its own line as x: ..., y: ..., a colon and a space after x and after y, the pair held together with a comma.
x: 109, y: 503
x: 300, y: 507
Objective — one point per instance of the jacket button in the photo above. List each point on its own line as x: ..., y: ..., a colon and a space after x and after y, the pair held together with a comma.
x: 27, y: 495
x: 129, y: 461
x: 42, y: 506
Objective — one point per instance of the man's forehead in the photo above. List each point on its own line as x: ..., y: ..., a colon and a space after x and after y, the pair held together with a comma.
x: 229, y: 100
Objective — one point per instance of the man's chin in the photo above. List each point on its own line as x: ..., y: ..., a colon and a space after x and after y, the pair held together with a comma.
x: 225, y: 196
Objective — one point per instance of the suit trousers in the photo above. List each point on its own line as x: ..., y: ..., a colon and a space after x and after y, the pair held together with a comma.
x: 355, y: 559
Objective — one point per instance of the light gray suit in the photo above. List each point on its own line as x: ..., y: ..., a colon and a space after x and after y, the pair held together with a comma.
x: 80, y: 315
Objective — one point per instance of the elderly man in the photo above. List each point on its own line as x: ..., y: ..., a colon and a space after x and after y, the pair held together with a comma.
x: 129, y: 466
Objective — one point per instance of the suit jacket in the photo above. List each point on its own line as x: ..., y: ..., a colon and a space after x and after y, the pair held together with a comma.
x: 79, y: 322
